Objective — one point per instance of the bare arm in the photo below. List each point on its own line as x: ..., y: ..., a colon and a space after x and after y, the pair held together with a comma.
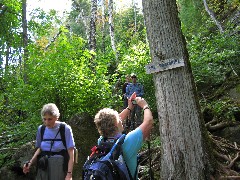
x: 147, y: 124
x: 123, y: 115
x: 26, y: 167
x: 70, y: 163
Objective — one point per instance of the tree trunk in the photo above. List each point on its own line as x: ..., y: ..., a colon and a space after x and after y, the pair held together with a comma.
x: 135, y: 16
x: 92, y: 38
x: 103, y: 25
x: 183, y: 136
x: 25, y: 39
x: 111, y: 27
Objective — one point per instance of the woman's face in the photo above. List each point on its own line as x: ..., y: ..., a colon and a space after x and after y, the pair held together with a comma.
x: 49, y: 120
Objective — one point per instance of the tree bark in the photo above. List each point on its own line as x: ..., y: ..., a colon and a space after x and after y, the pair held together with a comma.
x: 111, y: 27
x: 103, y: 25
x: 25, y: 38
x: 92, y: 37
x: 135, y: 16
x: 183, y: 136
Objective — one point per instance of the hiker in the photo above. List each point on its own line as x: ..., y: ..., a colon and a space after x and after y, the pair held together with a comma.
x: 109, y: 125
x: 136, y: 111
x: 54, y: 157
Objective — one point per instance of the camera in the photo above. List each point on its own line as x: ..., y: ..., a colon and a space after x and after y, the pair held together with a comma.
x: 134, y: 102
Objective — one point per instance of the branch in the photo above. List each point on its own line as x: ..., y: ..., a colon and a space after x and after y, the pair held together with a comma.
x: 54, y: 39
x: 212, y: 15
x: 8, y: 149
x: 222, y: 156
x: 211, y: 122
x: 220, y: 125
x: 233, y: 161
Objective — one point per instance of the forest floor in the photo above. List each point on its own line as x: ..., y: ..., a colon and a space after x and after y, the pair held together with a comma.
x: 226, y: 154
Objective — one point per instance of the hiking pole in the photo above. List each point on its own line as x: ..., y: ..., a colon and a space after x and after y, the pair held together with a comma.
x: 151, y: 176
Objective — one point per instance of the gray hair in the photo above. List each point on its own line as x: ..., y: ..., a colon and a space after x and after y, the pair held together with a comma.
x: 50, y: 109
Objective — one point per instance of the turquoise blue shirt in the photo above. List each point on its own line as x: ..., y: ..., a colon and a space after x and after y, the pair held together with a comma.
x: 132, y: 144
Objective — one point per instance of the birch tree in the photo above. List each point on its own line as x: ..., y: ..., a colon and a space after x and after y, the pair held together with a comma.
x: 183, y: 136
x: 103, y: 25
x: 111, y: 27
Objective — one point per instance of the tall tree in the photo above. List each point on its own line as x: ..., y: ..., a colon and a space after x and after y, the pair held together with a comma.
x: 103, y: 18
x: 25, y: 37
x: 92, y: 37
x: 183, y: 136
x: 111, y: 27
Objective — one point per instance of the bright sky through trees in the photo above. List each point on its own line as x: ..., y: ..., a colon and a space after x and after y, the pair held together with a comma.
x: 46, y: 5
x: 65, y: 5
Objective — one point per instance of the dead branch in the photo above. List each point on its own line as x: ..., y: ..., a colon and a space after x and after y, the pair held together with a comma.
x: 8, y: 149
x: 214, y: 121
x: 224, y: 157
x: 220, y: 125
x: 233, y: 161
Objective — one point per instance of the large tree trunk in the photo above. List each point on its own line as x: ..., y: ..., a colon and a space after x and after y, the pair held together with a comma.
x: 183, y: 135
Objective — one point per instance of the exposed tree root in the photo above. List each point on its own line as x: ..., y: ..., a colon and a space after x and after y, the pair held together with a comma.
x: 227, y: 155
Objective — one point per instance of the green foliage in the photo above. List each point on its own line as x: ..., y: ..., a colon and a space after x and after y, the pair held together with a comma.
x: 213, y: 57
x: 190, y: 15
x: 42, y: 23
x: 224, y: 109
x: 62, y: 75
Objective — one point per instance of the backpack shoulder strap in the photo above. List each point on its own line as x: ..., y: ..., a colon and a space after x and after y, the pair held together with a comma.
x: 43, y: 127
x: 62, y: 134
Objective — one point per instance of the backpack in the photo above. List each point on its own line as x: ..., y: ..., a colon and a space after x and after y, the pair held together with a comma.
x: 103, y: 165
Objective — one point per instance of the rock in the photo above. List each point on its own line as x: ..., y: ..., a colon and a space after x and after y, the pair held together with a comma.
x: 230, y: 133
x: 85, y: 136
x: 13, y: 170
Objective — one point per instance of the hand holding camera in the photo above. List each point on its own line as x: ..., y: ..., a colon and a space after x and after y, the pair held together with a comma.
x: 140, y: 102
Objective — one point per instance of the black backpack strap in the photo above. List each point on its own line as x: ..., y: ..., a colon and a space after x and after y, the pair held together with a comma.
x: 62, y: 134
x: 61, y: 130
x: 43, y: 127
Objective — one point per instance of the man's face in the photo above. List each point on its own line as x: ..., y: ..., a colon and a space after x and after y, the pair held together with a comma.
x: 134, y: 79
